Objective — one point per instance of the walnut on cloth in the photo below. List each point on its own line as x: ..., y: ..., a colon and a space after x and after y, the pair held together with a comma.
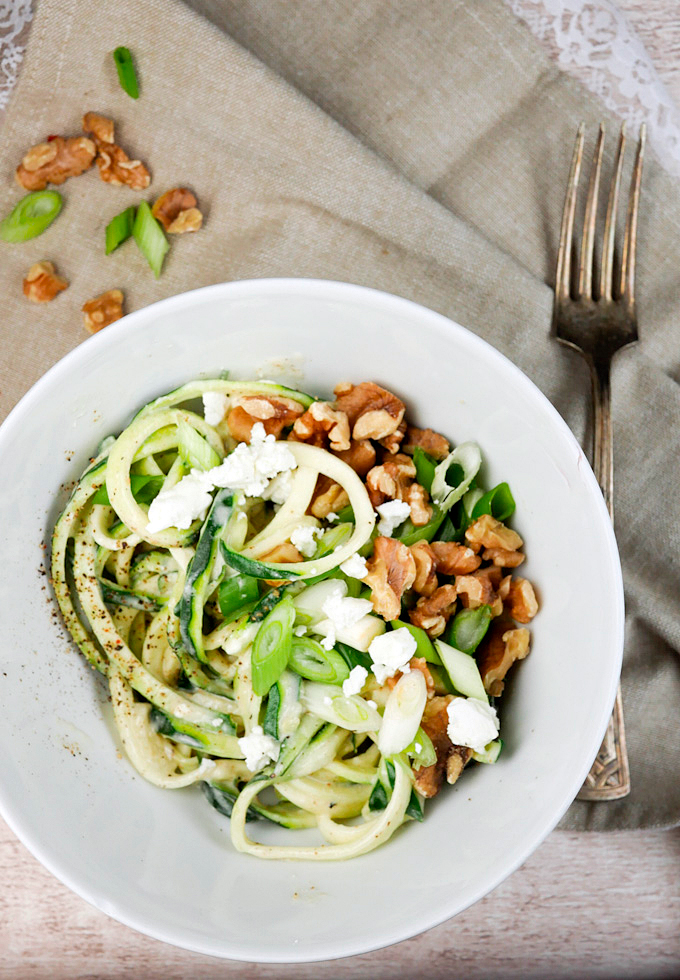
x: 55, y: 161
x: 103, y: 310
x: 42, y: 284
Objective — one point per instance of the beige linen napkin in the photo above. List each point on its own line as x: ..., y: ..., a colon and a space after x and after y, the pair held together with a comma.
x: 419, y: 147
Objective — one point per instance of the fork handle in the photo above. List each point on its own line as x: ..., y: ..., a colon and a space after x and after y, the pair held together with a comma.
x: 609, y: 776
x: 603, y: 447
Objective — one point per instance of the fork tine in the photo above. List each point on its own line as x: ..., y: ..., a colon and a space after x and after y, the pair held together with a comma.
x: 563, y: 274
x: 607, y: 276
x: 630, y: 236
x: 585, y: 276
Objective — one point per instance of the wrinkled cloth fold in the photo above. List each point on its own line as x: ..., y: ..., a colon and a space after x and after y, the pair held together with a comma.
x: 419, y: 147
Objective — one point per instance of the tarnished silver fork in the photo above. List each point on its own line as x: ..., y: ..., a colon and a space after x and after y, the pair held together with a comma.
x: 597, y: 317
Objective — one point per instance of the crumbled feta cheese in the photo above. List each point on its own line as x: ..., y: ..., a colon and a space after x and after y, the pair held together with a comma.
x: 180, y: 505
x: 371, y: 703
x: 391, y: 652
x: 418, y: 747
x: 300, y: 630
x: 342, y: 612
x: 331, y: 516
x: 471, y: 722
x: 279, y: 488
x: 304, y: 539
x: 392, y: 514
x: 355, y: 681
x: 259, y: 749
x: 250, y: 468
x: 215, y: 406
x: 354, y: 567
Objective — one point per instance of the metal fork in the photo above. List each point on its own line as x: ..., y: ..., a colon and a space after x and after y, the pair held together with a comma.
x: 598, y: 320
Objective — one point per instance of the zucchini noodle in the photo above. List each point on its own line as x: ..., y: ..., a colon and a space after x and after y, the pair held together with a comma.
x: 228, y: 663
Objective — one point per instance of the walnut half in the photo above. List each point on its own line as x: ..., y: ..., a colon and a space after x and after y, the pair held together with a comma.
x: 55, y: 161
x: 391, y: 571
x: 103, y: 310
x: 42, y: 283
x: 177, y: 210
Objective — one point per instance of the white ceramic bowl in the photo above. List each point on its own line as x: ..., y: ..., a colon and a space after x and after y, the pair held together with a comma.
x: 162, y: 861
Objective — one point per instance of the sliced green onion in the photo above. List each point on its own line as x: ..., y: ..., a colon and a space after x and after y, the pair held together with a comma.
x: 454, y: 475
x: 469, y: 501
x: 424, y: 646
x: 448, y: 530
x: 272, y: 646
x: 468, y: 628
x: 333, y: 538
x: 346, y: 514
x: 119, y: 229
x: 425, y: 466
x: 194, y: 449
x: 236, y: 592
x: 408, y: 533
x: 126, y: 72
x: 150, y: 238
x: 144, y: 489
x: 31, y: 216
x: 403, y: 712
x: 422, y: 750
x: 309, y: 659
x: 270, y: 725
x: 352, y: 657
x: 499, y: 502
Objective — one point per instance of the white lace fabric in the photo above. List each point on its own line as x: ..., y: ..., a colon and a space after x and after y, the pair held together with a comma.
x: 15, y: 16
x: 589, y: 39
x: 592, y: 41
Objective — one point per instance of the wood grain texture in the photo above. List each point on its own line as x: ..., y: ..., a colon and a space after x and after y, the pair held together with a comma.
x: 584, y: 905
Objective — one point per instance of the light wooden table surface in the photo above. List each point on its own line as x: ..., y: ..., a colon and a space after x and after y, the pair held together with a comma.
x: 584, y: 905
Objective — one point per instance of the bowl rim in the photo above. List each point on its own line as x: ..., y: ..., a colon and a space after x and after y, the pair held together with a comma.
x: 343, y: 291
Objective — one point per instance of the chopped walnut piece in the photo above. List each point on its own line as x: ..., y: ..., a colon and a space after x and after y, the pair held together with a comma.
x: 189, y: 220
x: 99, y: 126
x: 521, y: 603
x: 450, y: 758
x: 177, y: 211
x: 455, y: 559
x: 283, y: 553
x: 490, y: 533
x: 103, y: 310
x: 498, y: 651
x: 55, y: 162
x: 393, y: 441
x: 503, y: 558
x: 480, y: 588
x: 115, y: 167
x: 329, y: 498
x: 273, y: 412
x: 391, y: 480
x: 434, y: 444
x: 425, y: 581
x: 417, y: 498
x: 360, y: 455
x: 42, y: 283
x: 391, y: 571
x: 322, y: 421
x: 373, y: 412
x: 456, y: 762
x: 432, y: 613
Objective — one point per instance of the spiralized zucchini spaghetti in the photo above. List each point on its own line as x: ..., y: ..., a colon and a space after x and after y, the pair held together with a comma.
x: 309, y: 608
